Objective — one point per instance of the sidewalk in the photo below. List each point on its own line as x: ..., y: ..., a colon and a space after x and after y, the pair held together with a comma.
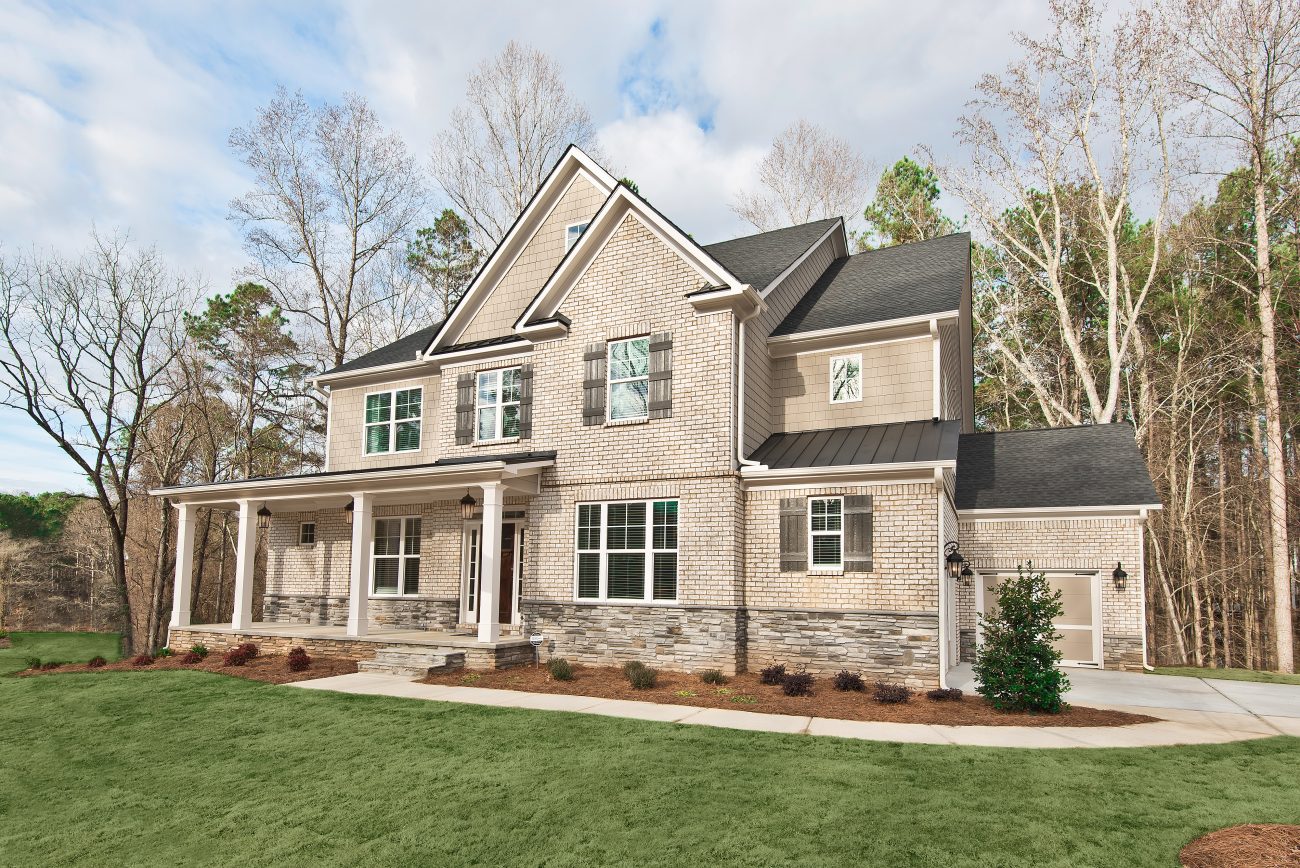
x: 1179, y: 726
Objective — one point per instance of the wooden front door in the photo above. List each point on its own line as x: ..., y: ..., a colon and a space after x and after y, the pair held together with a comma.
x: 511, y: 544
x: 506, y: 590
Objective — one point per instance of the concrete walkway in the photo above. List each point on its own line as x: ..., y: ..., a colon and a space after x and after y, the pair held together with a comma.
x: 1178, y: 726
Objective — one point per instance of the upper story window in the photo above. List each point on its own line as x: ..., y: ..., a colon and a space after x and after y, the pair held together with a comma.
x: 497, y: 404
x: 629, y: 379
x: 826, y: 532
x: 846, y: 378
x: 393, y: 421
x: 572, y: 233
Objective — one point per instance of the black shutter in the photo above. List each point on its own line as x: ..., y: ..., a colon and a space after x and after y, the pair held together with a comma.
x: 661, y: 375
x: 464, y: 409
x: 794, y: 534
x: 857, y: 533
x: 593, y: 385
x: 525, y: 402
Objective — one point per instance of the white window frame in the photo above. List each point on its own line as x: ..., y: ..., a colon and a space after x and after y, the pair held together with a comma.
x: 302, y: 527
x: 603, y: 552
x: 610, y: 381
x: 813, y: 534
x: 500, y: 405
x: 856, y: 358
x: 568, y: 243
x: 392, y: 422
x: 402, y: 558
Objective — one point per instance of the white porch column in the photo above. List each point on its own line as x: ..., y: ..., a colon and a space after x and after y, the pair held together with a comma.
x: 245, y: 553
x: 489, y: 630
x: 363, y: 530
x: 184, y: 583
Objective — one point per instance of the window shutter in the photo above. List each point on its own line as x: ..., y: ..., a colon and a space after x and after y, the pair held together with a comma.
x: 857, y: 533
x: 661, y: 375
x: 794, y: 534
x: 525, y: 402
x: 465, y: 409
x: 593, y: 385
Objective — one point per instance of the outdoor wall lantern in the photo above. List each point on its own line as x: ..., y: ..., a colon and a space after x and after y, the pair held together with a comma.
x: 967, y: 574
x: 347, y: 513
x: 953, y: 559
x: 1120, y: 577
x: 467, y: 504
x: 263, y: 518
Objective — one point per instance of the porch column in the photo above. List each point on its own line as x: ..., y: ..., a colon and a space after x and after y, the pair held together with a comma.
x: 245, y: 554
x: 489, y: 630
x: 181, y: 588
x: 363, y: 529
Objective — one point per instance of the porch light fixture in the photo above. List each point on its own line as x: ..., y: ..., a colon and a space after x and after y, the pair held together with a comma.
x: 1120, y: 577
x: 953, y: 559
x: 467, y: 504
x: 347, y: 512
x: 263, y: 518
x: 967, y: 574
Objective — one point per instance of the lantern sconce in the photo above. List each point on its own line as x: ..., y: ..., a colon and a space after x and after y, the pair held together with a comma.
x: 347, y: 512
x: 953, y: 559
x: 263, y: 518
x: 467, y: 504
x: 1120, y: 577
x: 967, y: 574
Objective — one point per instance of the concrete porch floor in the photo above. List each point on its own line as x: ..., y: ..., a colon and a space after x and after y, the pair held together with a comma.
x: 325, y: 633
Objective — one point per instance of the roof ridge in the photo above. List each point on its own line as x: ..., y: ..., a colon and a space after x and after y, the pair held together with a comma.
x: 771, y: 231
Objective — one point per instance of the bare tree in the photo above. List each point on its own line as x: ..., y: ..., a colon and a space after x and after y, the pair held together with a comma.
x: 1245, y: 74
x: 333, y: 190
x: 808, y: 175
x: 84, y: 346
x: 517, y: 119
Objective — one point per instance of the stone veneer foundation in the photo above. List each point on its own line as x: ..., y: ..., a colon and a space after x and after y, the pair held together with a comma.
x: 895, y: 646
x: 506, y: 654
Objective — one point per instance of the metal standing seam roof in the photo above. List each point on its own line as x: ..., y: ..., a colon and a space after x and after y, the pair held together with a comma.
x: 889, y: 443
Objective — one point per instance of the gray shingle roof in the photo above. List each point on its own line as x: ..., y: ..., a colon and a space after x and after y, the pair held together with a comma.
x: 760, y: 259
x: 400, y: 350
x: 861, y: 444
x: 1090, y: 465
x: 907, y: 280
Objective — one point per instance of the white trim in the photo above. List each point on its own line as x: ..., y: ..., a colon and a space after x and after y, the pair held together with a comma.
x: 392, y: 422
x: 922, y: 468
x: 498, y: 429
x: 803, y: 257
x: 936, y: 364
x: 609, y: 382
x: 1054, y: 513
x: 947, y: 590
x: 863, y: 328
x: 1098, y: 628
x: 602, y: 552
x: 467, y: 608
x: 815, y: 567
x: 853, y: 345
x: 401, y: 557
x: 360, y: 373
x: 481, y: 355
x: 583, y: 223
x: 301, y: 526
x: 830, y: 386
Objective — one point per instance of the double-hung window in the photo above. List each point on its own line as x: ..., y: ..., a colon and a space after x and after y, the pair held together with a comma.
x: 846, y: 378
x: 396, y: 562
x: 393, y: 421
x: 627, y: 551
x: 629, y: 379
x: 826, y: 533
x: 572, y: 233
x: 307, y: 533
x: 498, y: 404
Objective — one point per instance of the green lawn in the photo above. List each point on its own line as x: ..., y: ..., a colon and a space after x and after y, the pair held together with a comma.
x: 189, y: 768
x: 1229, y: 674
x: 63, y: 647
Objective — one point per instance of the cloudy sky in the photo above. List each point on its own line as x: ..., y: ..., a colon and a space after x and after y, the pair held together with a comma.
x: 117, y: 114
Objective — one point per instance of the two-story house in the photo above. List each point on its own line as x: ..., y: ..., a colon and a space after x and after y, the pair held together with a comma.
x: 715, y: 456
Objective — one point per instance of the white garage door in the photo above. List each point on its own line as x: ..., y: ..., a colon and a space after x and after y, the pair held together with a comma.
x: 1079, y: 626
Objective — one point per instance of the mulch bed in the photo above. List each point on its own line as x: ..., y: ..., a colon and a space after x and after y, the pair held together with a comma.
x: 745, y: 693
x: 273, y: 668
x: 1250, y: 846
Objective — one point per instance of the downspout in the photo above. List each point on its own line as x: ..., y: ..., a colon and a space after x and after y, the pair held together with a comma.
x: 943, y: 572
x: 1142, y: 585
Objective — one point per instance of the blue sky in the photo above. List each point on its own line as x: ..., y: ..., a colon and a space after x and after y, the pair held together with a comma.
x: 117, y: 114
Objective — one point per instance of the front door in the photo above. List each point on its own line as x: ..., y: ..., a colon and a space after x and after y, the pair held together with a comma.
x: 512, y: 538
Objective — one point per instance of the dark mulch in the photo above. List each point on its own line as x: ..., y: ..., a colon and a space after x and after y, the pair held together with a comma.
x: 273, y: 668
x: 744, y: 692
x: 1255, y: 845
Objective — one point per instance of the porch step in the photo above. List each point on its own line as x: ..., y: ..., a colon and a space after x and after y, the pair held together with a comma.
x: 412, y: 661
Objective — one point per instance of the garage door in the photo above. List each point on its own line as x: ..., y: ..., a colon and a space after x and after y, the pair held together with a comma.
x: 1079, y: 626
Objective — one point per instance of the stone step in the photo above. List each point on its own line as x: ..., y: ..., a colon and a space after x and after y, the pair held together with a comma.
x: 412, y: 662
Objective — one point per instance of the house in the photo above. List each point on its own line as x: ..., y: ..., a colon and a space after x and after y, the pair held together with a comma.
x: 638, y: 447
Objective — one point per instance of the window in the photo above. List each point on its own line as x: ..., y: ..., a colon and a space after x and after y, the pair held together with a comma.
x: 629, y: 379
x: 826, y: 532
x: 307, y: 533
x: 627, y: 551
x: 498, y: 404
x: 396, y: 562
x: 846, y: 378
x: 393, y: 421
x: 572, y: 233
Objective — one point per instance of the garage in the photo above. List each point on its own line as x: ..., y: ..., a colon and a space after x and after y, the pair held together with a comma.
x: 1080, y: 625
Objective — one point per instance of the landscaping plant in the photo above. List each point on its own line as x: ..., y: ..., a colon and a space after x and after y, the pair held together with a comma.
x: 165, y: 652
x: 33, y: 662
x: 96, y: 662
x: 890, y: 694
x: 560, y: 669
x: 189, y: 658
x: 945, y: 694
x: 798, y: 684
x: 145, y: 659
x: 713, y: 676
x: 298, y: 659
x: 239, y: 655
x: 773, y: 674
x: 201, y: 650
x: 51, y: 664
x: 1015, y: 667
x: 846, y: 680
x: 643, y: 678
x: 632, y: 666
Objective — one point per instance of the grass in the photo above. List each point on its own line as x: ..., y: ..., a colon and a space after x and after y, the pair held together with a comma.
x: 1229, y: 674
x: 63, y: 647
x: 191, y: 768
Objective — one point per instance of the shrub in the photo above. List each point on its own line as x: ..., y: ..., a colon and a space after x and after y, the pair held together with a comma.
x: 33, y: 662
x: 145, y: 659
x: 887, y: 693
x: 945, y: 694
x: 798, y: 684
x: 96, y: 662
x: 189, y: 658
x: 713, y: 676
x: 51, y: 664
x: 250, y: 650
x: 773, y: 674
x: 1015, y: 667
x: 165, y: 652
x: 643, y: 678
x: 298, y: 659
x: 560, y: 669
x: 236, y: 656
x: 4, y: 634
x: 846, y: 680
x: 201, y: 650
x: 632, y: 666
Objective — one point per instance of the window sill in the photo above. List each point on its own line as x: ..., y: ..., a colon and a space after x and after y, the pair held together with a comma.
x: 396, y: 597
x: 587, y: 601
x: 499, y: 441
x: 826, y: 571
x: 618, y: 423
x: 392, y: 453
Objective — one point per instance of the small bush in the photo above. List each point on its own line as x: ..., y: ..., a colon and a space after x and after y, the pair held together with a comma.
x: 560, y: 669
x: 945, y: 694
x: 846, y: 680
x: 96, y: 662
x: 1015, y: 666
x: 51, y: 664
x: 236, y: 656
x: 713, y: 676
x: 189, y: 658
x: 165, y: 652
x: 744, y: 699
x: 33, y: 662
x: 142, y: 660
x: 797, y: 684
x: 890, y: 694
x: 250, y: 650
x: 201, y: 650
x: 643, y: 679
x: 4, y: 634
x: 632, y: 666
x: 298, y: 659
x: 773, y: 674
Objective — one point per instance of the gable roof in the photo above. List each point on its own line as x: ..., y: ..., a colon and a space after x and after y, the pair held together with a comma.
x: 856, y: 445
x: 1088, y: 465
x: 406, y: 349
x: 759, y: 259
x: 908, y: 280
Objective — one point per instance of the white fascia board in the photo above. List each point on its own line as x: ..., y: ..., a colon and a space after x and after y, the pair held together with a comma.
x: 367, y: 373
x: 860, y: 333
x: 837, y: 227
x: 1050, y: 513
x: 477, y: 355
x: 914, y: 470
